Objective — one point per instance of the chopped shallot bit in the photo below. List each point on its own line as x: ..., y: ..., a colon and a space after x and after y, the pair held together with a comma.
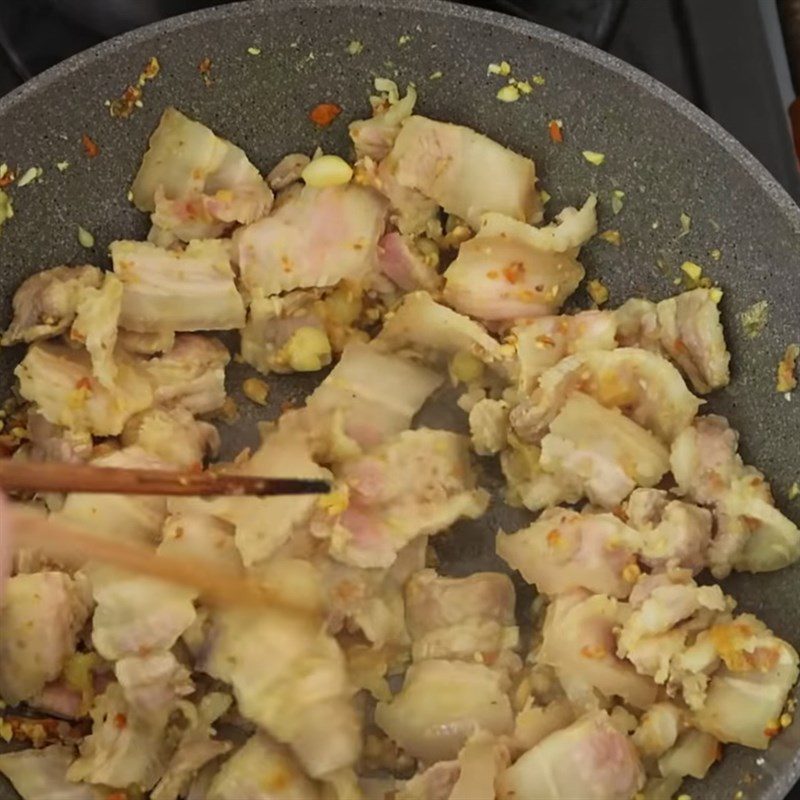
x: 254, y: 51
x: 30, y: 175
x: 256, y: 391
x: 594, y: 158
x: 686, y: 224
x: 754, y: 318
x: 90, y: 146
x: 598, y: 291
x: 617, y: 196
x: 694, y: 272
x: 612, y: 237
x: 354, y: 48
x: 787, y: 380
x: 508, y: 94
x: 556, y: 127
x: 323, y: 114
x: 204, y: 68
x: 85, y: 238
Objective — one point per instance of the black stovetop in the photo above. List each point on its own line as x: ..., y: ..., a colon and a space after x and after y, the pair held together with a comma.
x: 727, y: 56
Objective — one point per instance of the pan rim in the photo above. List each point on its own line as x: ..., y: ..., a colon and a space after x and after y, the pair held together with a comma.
x: 787, y: 205
x: 783, y: 780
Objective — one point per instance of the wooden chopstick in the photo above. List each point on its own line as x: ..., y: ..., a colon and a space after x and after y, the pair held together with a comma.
x: 218, y: 586
x: 54, y: 477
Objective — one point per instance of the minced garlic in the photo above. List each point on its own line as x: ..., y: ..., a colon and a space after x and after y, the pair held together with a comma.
x: 612, y: 237
x: 256, y: 390
x: 30, y: 175
x: 62, y: 166
x: 692, y: 271
x: 254, y: 51
x: 787, y: 381
x: 686, y: 224
x: 508, y: 94
x: 524, y: 87
x: 593, y: 158
x: 308, y: 350
x: 503, y: 68
x: 716, y: 254
x: 544, y: 196
x: 6, y: 208
x: 434, y: 76
x: 598, y: 291
x: 794, y: 491
x: 354, y: 48
x: 538, y: 80
x: 617, y: 196
x: 466, y: 368
x: 327, y: 170
x: 85, y: 238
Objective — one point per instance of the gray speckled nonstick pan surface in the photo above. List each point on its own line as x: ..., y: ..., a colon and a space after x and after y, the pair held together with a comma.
x: 667, y: 157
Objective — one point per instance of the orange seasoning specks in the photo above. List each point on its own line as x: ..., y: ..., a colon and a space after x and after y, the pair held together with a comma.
x: 556, y: 127
x: 323, y: 114
x: 84, y: 383
x: 120, y: 721
x: 90, y: 146
x: 514, y: 272
x: 123, y: 106
x: 204, y: 68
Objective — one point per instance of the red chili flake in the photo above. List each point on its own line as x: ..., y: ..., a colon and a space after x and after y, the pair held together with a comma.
x: 90, y: 146
x: 204, y: 68
x: 84, y: 383
x: 7, y: 179
x: 117, y: 796
x: 120, y: 721
x: 324, y: 114
x: 123, y: 107
x: 556, y: 130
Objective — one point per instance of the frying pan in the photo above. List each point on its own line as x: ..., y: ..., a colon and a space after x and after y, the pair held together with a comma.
x: 662, y: 152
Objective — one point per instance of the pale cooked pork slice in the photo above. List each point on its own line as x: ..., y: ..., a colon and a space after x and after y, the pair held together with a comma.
x: 316, y: 238
x: 60, y: 381
x: 465, y: 172
x: 196, y: 182
x: 46, y: 303
x: 190, y: 290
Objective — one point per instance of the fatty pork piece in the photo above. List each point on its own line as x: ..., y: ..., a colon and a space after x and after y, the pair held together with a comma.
x: 316, y: 238
x: 180, y: 290
x: 135, y: 614
x: 687, y: 328
x: 196, y: 746
x: 61, y: 383
x: 40, y: 617
x: 286, y: 333
x: 541, y: 343
x: 600, y: 453
x: 153, y: 683
x: 42, y: 774
x: 504, y: 274
x: 375, y: 137
x: 125, y: 748
x: 752, y: 535
x: 441, y: 705
x: 579, y: 644
x: 135, y: 518
x: 262, y: 770
x: 422, y: 325
x: 350, y: 410
x: 461, y: 618
x: 190, y: 375
x: 527, y: 483
x: 674, y: 533
x: 417, y: 484
x: 173, y: 436
x: 46, y: 303
x: 263, y: 524
x: 564, y: 550
x: 291, y: 679
x: 48, y: 442
x: 145, y: 344
x: 590, y: 759
x: 287, y: 171
x: 666, y: 612
x: 747, y: 695
x: 196, y: 184
x: 95, y: 326
x: 463, y: 171
x: 645, y: 386
x: 407, y: 265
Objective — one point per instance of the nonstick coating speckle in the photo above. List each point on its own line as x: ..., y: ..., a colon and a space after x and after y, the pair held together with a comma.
x: 665, y: 155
